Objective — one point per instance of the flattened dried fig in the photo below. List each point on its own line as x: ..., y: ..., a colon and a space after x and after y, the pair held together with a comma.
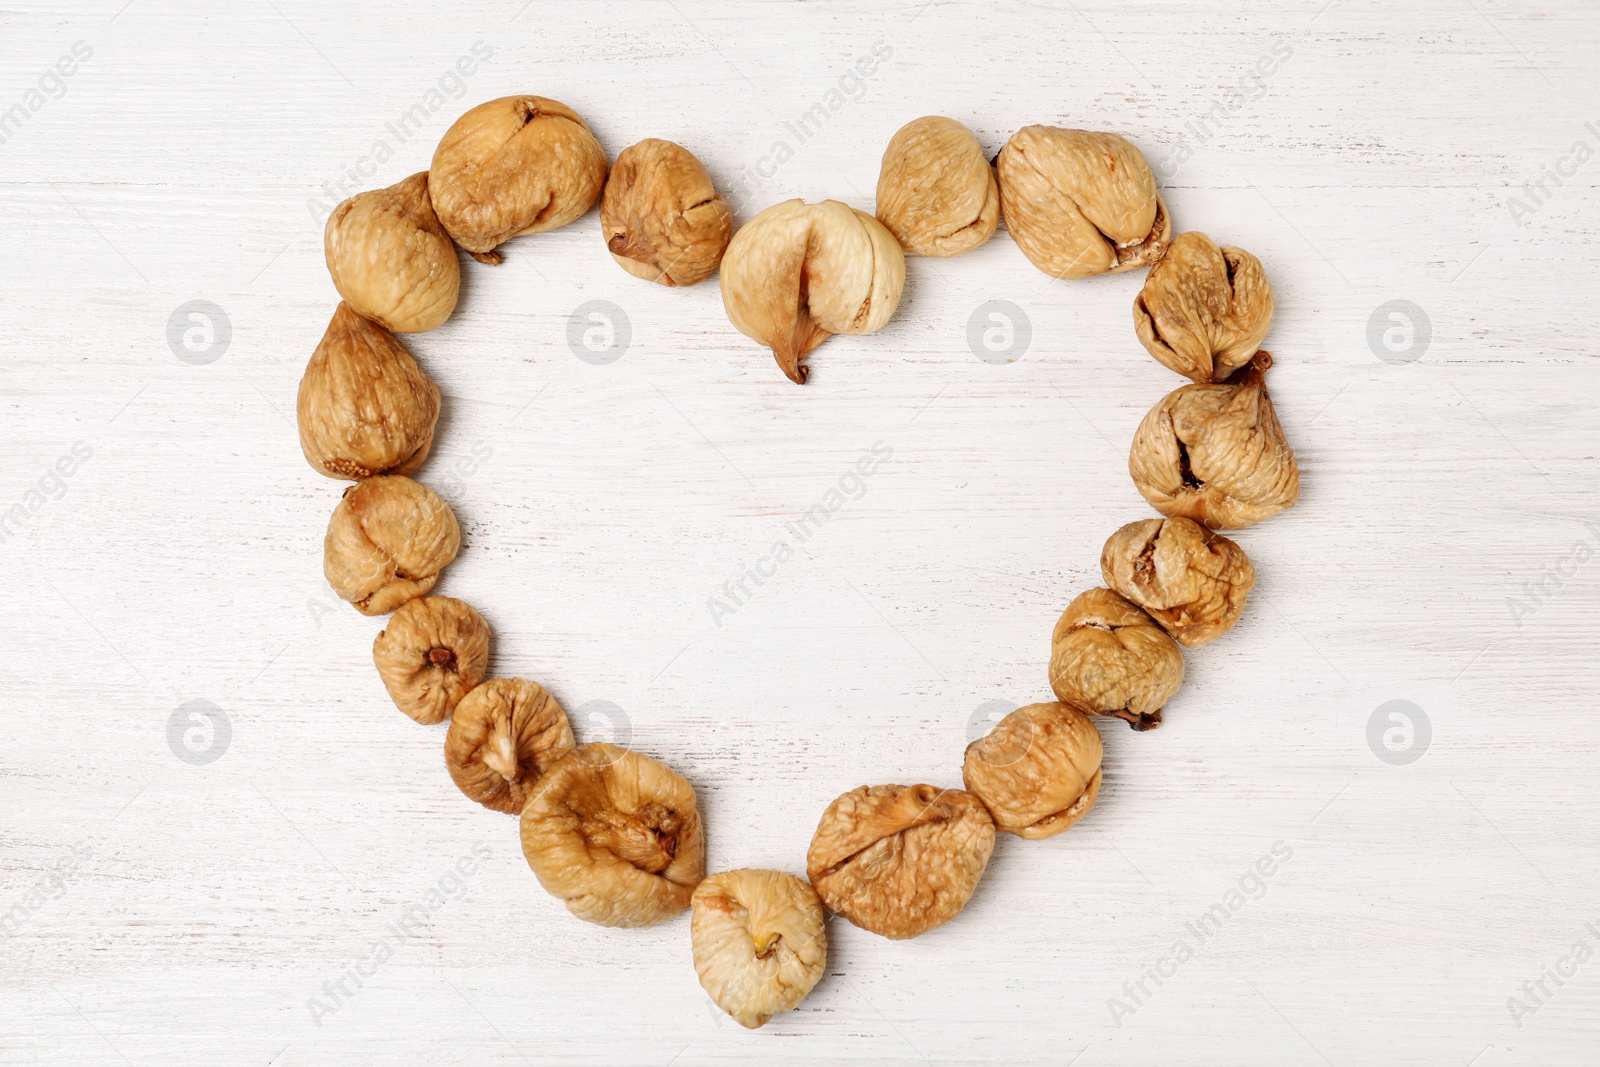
x: 503, y: 735
x: 661, y: 217
x: 391, y: 259
x: 936, y: 191
x: 387, y: 541
x: 1109, y: 658
x: 1204, y: 310
x: 431, y: 654
x: 1038, y: 770
x: 1191, y: 581
x: 760, y: 942
x: 899, y: 860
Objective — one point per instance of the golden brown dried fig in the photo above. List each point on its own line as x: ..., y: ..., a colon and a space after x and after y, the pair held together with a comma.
x: 1038, y: 770
x: 365, y: 407
x: 391, y: 259
x: 936, y: 191
x: 1107, y: 657
x: 1216, y: 453
x: 899, y: 860
x: 615, y: 835
x: 503, y: 735
x: 1192, y: 581
x: 387, y: 542
x: 516, y: 165
x: 760, y: 942
x: 661, y: 217
x: 431, y: 654
x: 799, y: 273
x: 1203, y: 310
x: 1079, y: 203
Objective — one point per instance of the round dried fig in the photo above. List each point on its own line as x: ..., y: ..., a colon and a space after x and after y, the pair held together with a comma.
x: 1216, y: 453
x: 1203, y: 310
x: 615, y: 835
x: 899, y: 860
x: 516, y: 165
x: 760, y: 942
x: 661, y: 217
x: 387, y: 541
x: 1038, y: 770
x: 365, y: 407
x: 503, y: 735
x: 936, y: 191
x: 391, y: 259
x: 1191, y: 581
x: 432, y: 652
x: 1109, y: 658
x: 1079, y: 203
x: 799, y: 273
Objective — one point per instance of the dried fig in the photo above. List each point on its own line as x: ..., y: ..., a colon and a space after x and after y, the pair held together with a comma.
x: 431, y: 654
x: 503, y: 735
x: 387, y: 541
x: 936, y: 191
x: 1038, y: 770
x: 391, y: 259
x: 661, y: 217
x: 1109, y: 658
x: 760, y: 942
x: 1190, y: 580
x: 899, y: 860
x: 799, y: 273
x: 1079, y: 203
x: 615, y: 835
x: 365, y: 407
x: 1203, y: 310
x: 1216, y: 453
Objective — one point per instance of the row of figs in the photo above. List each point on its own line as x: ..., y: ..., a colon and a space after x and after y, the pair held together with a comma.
x: 617, y: 835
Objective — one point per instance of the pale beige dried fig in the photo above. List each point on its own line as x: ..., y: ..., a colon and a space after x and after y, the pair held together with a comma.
x: 1192, y: 581
x: 799, y: 273
x: 760, y: 942
x: 1038, y: 770
x: 516, y: 165
x: 661, y: 217
x: 431, y: 654
x: 1107, y: 657
x: 615, y: 835
x: 899, y: 860
x: 1216, y: 453
x: 387, y: 541
x: 1203, y: 310
x: 503, y: 736
x: 390, y: 258
x: 365, y: 407
x: 1080, y: 203
x: 936, y: 191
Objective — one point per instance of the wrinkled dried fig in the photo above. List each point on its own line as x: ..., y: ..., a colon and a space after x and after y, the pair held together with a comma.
x: 1037, y: 771
x: 1107, y: 657
x: 1192, y: 581
x: 503, y: 735
x: 430, y: 655
x: 1203, y: 310
x: 799, y: 273
x: 1216, y: 453
x: 391, y: 259
x: 661, y: 217
x: 936, y: 191
x: 899, y: 860
x: 387, y: 541
x: 760, y: 942
x: 1079, y: 203
x: 615, y: 835
x: 365, y: 407
x: 516, y: 165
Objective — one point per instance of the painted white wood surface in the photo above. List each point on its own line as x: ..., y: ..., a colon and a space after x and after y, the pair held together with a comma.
x: 206, y: 905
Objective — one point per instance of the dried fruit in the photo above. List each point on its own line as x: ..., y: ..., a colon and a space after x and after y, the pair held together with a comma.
x: 1216, y: 453
x: 799, y: 273
x: 936, y: 191
x: 365, y: 407
x: 661, y: 217
x: 390, y: 258
x: 431, y: 654
x: 503, y: 735
x: 1107, y: 657
x: 1038, y: 770
x: 387, y: 541
x: 1192, y: 581
x: 899, y: 860
x: 516, y: 165
x: 1079, y: 203
x: 760, y: 942
x: 1204, y: 310
x: 615, y: 835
